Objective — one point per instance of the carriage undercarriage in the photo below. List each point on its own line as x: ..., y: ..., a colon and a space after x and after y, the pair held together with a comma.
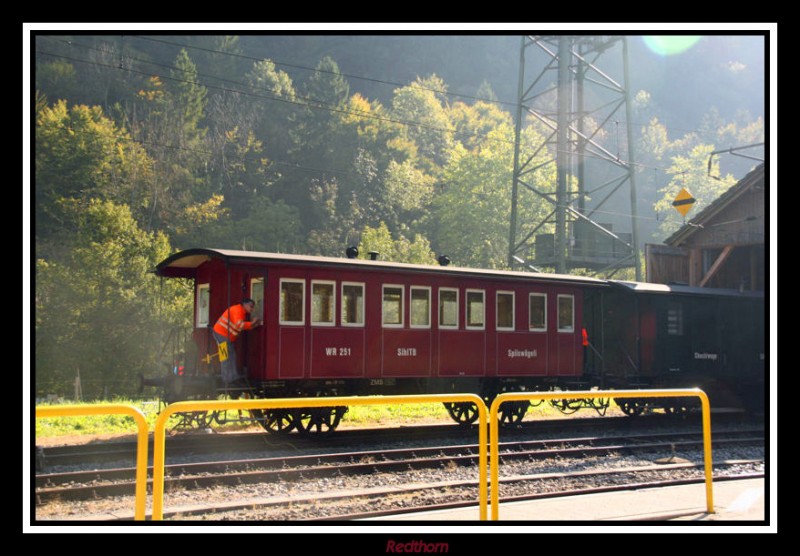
x: 320, y: 420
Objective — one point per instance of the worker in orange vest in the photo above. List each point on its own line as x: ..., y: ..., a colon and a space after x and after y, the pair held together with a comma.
x: 227, y: 328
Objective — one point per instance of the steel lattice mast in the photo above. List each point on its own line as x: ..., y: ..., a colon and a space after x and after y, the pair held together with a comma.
x: 580, y: 114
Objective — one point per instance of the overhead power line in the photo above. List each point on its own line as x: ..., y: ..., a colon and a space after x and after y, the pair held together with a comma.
x: 309, y: 102
x: 307, y: 68
x: 310, y: 69
x: 340, y: 172
x: 306, y: 102
x: 360, y: 77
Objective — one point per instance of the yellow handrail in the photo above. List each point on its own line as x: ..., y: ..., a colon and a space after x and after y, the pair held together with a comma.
x: 289, y: 403
x: 494, y: 458
x: 141, y: 443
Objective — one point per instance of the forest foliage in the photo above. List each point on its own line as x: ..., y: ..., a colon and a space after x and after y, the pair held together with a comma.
x: 135, y: 158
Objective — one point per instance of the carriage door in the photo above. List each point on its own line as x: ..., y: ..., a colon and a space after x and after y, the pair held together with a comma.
x: 672, y: 353
x: 256, y: 338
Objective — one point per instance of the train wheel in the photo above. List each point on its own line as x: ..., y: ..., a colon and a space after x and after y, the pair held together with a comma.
x: 511, y: 413
x: 280, y: 421
x: 630, y: 407
x: 319, y: 419
x: 277, y: 421
x: 463, y: 413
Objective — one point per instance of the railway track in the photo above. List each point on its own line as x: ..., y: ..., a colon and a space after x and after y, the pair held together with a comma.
x: 61, y: 458
x: 383, y: 501
x: 191, y: 477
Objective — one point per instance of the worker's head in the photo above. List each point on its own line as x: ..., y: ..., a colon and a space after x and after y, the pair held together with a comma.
x: 248, y: 304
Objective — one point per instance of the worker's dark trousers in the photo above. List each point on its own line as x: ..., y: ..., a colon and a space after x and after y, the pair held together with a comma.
x: 229, y: 373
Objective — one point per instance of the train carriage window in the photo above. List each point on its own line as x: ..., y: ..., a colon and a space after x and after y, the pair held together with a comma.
x: 448, y: 308
x: 323, y: 303
x: 293, y: 302
x: 257, y: 294
x: 675, y: 319
x: 392, y: 306
x: 537, y: 312
x: 505, y: 310
x: 203, y: 298
x: 352, y: 304
x: 566, y: 313
x: 475, y: 309
x: 420, y: 307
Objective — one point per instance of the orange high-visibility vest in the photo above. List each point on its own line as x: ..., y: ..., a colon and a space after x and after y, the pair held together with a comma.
x: 232, y: 322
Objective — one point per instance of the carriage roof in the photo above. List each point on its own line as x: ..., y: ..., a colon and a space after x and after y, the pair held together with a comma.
x: 183, y: 264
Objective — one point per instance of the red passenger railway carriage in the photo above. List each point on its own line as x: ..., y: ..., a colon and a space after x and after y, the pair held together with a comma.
x: 336, y: 327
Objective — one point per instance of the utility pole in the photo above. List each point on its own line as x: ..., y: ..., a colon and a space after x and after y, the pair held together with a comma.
x: 578, y: 105
x: 78, y: 388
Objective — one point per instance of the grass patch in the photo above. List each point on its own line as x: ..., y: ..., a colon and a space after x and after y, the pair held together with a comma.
x: 47, y: 427
x: 93, y: 425
x: 357, y: 416
x: 409, y: 413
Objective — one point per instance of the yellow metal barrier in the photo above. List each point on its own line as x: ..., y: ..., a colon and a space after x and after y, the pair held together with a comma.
x: 289, y: 403
x: 141, y: 444
x: 494, y: 460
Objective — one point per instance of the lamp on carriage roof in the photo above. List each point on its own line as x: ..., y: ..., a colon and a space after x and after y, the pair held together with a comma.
x: 444, y: 260
x: 352, y: 252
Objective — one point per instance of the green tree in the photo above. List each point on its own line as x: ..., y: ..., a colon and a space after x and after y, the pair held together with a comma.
x: 198, y: 223
x: 653, y: 151
x: 240, y: 171
x: 341, y: 211
x: 667, y: 165
x: 98, y: 311
x: 267, y: 226
x: 325, y: 96
x: 320, y: 151
x: 383, y: 183
x: 408, y: 193
x: 486, y: 93
x: 422, y: 107
x: 218, y: 55
x: 408, y: 188
x: 167, y: 118
x: 690, y: 171
x: 187, y: 100
x: 399, y: 250
x: 327, y: 86
x: 473, y: 210
x: 474, y: 122
x: 82, y: 154
x: 741, y: 131
x: 370, y: 126
x: 273, y: 103
x: 58, y: 79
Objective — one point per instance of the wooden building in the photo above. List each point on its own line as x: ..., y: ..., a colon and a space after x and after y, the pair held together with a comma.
x: 721, y: 247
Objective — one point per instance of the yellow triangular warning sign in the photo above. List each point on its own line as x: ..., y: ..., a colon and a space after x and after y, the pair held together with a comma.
x: 683, y: 201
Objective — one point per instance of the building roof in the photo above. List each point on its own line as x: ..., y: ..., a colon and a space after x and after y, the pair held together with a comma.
x: 719, y: 204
